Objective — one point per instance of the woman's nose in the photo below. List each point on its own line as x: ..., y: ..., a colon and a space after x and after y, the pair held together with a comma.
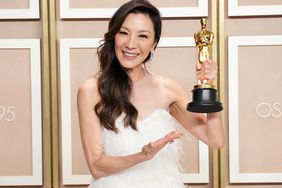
x: 131, y: 43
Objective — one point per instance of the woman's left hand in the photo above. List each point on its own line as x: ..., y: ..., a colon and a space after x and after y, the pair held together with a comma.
x: 206, y: 71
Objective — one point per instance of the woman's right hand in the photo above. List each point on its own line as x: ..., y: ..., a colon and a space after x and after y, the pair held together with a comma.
x: 151, y: 149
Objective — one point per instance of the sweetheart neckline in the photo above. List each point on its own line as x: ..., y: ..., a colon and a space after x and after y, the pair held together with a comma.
x: 152, y: 114
x: 148, y: 117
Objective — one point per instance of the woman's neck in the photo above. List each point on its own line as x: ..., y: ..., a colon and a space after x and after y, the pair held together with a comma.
x: 137, y: 74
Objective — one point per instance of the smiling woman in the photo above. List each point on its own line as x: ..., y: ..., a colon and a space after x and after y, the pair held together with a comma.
x: 129, y: 135
x: 135, y: 41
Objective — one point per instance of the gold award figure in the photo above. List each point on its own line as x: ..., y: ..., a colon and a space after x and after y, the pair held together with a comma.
x: 204, y: 41
x: 204, y: 93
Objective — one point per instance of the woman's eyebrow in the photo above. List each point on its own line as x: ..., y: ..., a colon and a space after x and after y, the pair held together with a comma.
x: 141, y: 31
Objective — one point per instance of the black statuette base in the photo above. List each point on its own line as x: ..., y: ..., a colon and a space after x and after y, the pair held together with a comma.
x: 204, y: 101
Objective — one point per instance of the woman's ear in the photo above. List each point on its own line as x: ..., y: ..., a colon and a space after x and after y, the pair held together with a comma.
x: 154, y: 46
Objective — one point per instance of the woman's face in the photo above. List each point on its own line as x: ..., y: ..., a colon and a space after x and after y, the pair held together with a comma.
x: 135, y: 40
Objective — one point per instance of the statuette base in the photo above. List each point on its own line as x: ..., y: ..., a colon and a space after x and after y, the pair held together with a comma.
x: 204, y: 101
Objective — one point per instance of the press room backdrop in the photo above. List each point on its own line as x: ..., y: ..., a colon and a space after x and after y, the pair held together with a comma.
x: 48, y: 48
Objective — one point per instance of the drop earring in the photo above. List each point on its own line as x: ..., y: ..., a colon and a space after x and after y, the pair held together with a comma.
x: 149, y: 61
x: 151, y: 56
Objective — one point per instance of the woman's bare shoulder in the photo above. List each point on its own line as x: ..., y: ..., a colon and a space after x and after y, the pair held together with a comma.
x: 175, y: 90
x: 89, y: 89
x: 90, y: 84
x: 172, y: 85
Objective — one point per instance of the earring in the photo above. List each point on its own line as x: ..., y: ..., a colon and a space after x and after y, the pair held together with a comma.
x: 148, y: 63
x: 151, y: 56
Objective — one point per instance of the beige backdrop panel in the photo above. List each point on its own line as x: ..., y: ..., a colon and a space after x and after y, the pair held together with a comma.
x: 15, y: 134
x: 258, y: 2
x: 15, y: 83
x: 117, y: 3
x: 14, y: 4
x: 259, y: 147
x: 259, y: 118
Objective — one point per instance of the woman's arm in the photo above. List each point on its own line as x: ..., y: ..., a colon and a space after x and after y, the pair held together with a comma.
x: 91, y: 135
x: 206, y: 127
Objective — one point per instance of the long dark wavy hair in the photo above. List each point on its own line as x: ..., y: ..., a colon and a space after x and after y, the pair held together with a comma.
x: 114, y: 84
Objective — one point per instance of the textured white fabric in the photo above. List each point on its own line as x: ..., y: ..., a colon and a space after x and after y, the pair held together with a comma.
x: 163, y: 171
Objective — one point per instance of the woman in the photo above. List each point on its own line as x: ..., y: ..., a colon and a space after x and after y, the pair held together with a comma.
x: 126, y: 114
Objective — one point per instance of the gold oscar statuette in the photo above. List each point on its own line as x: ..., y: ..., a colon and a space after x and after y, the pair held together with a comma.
x: 204, y: 93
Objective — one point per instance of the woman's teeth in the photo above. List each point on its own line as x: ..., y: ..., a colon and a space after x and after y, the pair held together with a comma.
x: 130, y: 54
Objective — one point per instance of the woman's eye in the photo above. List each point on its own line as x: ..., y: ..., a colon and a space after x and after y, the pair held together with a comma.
x: 143, y: 36
x: 123, y: 33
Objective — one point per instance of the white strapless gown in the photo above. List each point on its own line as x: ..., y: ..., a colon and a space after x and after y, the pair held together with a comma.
x: 163, y: 171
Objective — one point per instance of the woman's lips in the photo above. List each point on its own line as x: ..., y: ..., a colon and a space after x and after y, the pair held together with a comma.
x: 129, y: 55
